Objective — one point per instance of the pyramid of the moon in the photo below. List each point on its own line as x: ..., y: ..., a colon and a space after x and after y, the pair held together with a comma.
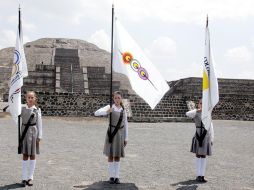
x: 63, y: 65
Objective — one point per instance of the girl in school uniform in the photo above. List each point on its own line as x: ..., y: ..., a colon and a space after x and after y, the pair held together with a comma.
x: 201, y: 142
x: 116, y: 137
x: 31, y: 118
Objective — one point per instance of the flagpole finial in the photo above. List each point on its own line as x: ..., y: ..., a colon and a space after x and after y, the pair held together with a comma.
x: 207, y: 20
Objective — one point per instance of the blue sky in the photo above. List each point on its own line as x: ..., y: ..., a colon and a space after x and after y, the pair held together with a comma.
x: 171, y: 32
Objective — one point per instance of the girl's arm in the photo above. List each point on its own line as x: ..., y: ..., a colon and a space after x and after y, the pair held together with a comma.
x: 7, y: 108
x: 39, y: 124
x: 212, y: 132
x: 191, y: 113
x: 102, y: 111
x: 126, y: 126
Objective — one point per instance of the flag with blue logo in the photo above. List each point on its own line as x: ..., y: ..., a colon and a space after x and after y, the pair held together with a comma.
x: 19, y: 71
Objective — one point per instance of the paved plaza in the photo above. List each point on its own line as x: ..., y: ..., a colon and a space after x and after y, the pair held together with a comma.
x: 157, y: 156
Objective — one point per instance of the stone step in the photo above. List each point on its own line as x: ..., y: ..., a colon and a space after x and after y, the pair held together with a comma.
x: 159, y: 119
x: 103, y: 84
x: 96, y: 70
x: 101, y: 91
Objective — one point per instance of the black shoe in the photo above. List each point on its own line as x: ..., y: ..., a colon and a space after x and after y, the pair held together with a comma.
x: 203, y: 180
x: 117, y: 181
x: 199, y: 179
x: 111, y: 180
x: 29, y: 182
x: 23, y: 183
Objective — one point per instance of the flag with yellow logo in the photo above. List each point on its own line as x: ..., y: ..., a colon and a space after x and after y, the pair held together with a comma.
x: 210, y: 95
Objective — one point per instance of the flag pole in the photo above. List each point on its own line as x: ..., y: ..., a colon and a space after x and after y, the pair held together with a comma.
x: 111, y: 64
x: 206, y: 21
x: 19, y: 30
x: 19, y: 21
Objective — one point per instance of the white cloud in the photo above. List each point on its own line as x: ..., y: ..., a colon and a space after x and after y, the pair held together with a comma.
x: 71, y: 12
x: 238, y: 55
x: 162, y: 47
x: 28, y: 27
x: 26, y: 39
x: 185, y: 10
x: 245, y: 74
x: 162, y: 53
x: 101, y: 39
x: 8, y: 38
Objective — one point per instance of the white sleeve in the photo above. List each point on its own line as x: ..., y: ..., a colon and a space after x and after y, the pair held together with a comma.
x: 191, y: 113
x: 126, y: 126
x: 212, y: 132
x: 102, y: 111
x: 39, y: 124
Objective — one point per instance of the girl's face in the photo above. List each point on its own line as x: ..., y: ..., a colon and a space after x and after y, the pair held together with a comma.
x: 30, y: 99
x: 117, y: 99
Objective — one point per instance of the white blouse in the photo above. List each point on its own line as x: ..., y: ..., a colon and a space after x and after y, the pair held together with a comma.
x: 39, y: 120
x: 103, y: 111
x: 192, y: 114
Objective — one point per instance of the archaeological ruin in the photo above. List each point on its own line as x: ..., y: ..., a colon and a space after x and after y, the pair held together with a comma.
x: 72, y: 78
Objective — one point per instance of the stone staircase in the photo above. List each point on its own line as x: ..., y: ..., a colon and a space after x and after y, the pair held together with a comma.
x: 71, y: 75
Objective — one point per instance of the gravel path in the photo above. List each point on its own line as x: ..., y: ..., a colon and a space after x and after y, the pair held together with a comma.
x: 157, y: 156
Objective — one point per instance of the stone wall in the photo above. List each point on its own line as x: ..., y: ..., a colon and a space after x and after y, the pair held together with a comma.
x: 193, y: 86
x: 236, y: 104
x: 171, y: 108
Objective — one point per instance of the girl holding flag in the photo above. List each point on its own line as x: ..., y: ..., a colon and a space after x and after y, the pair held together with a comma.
x: 116, y: 137
x: 31, y: 131
x: 201, y: 142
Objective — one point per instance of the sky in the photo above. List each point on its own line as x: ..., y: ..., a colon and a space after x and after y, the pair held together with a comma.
x: 171, y: 32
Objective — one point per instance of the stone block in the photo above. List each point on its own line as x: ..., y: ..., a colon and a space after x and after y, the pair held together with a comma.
x: 85, y: 77
x: 57, y: 76
x: 84, y: 70
x: 58, y: 70
x: 57, y: 84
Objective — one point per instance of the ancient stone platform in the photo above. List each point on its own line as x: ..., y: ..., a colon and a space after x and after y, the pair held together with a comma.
x: 72, y: 78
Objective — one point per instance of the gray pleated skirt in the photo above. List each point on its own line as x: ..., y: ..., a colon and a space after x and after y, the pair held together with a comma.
x: 30, y: 147
x: 205, y: 149
x: 116, y: 148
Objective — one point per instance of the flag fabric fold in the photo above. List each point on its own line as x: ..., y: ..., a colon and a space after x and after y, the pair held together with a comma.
x: 129, y: 59
x: 19, y: 71
x: 210, y: 94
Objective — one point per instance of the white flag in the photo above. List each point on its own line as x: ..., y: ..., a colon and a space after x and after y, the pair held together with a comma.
x: 129, y: 60
x: 19, y: 70
x: 210, y: 96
